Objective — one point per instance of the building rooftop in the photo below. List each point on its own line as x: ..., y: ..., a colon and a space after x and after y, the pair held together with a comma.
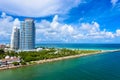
x: 28, y: 19
x: 11, y: 59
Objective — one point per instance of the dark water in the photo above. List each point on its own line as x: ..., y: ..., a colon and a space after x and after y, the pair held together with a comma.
x: 82, y: 46
x: 94, y: 67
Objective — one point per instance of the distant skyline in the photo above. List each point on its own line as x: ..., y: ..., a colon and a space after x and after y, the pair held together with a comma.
x: 64, y: 21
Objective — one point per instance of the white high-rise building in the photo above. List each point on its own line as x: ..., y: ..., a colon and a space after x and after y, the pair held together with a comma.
x: 27, y: 34
x: 15, y: 38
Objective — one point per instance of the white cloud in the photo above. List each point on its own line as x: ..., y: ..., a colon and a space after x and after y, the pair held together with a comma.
x: 3, y: 15
x: 47, y: 31
x: 79, y: 36
x: 90, y: 27
x: 92, y: 30
x: 114, y: 2
x: 38, y: 8
x: 63, y: 32
x: 6, y: 25
x: 118, y: 32
x: 54, y: 30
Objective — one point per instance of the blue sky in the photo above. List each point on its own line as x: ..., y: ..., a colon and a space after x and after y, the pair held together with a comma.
x: 59, y: 21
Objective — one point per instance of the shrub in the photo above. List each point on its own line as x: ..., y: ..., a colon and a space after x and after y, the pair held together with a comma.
x: 16, y: 63
x: 23, y: 63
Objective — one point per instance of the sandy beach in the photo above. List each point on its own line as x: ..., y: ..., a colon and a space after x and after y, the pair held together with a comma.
x: 49, y: 60
x: 63, y: 58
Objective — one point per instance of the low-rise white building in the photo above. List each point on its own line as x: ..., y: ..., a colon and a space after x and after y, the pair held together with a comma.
x: 9, y: 60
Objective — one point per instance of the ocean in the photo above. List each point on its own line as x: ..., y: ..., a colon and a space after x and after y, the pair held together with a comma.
x: 81, y: 46
x: 104, y: 66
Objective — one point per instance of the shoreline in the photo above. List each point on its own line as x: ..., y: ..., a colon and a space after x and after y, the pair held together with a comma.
x: 50, y: 60
x: 65, y: 57
x: 57, y: 59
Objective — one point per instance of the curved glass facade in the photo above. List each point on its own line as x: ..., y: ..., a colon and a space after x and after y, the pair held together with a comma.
x: 27, y: 34
x: 15, y: 38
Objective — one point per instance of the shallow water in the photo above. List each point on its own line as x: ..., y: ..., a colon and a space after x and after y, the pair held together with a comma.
x: 82, y: 46
x: 93, y: 67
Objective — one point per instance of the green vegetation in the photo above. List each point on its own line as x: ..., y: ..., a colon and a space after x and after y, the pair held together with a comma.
x: 10, y: 53
x: 2, y: 53
x: 29, y: 56
x: 51, y: 53
x: 23, y: 63
x: 16, y: 63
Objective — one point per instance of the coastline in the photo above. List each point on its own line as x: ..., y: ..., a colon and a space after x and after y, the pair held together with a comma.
x: 66, y: 57
x: 50, y: 60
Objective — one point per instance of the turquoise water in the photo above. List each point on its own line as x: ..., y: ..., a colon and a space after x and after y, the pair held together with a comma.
x: 81, y: 46
x: 93, y: 67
